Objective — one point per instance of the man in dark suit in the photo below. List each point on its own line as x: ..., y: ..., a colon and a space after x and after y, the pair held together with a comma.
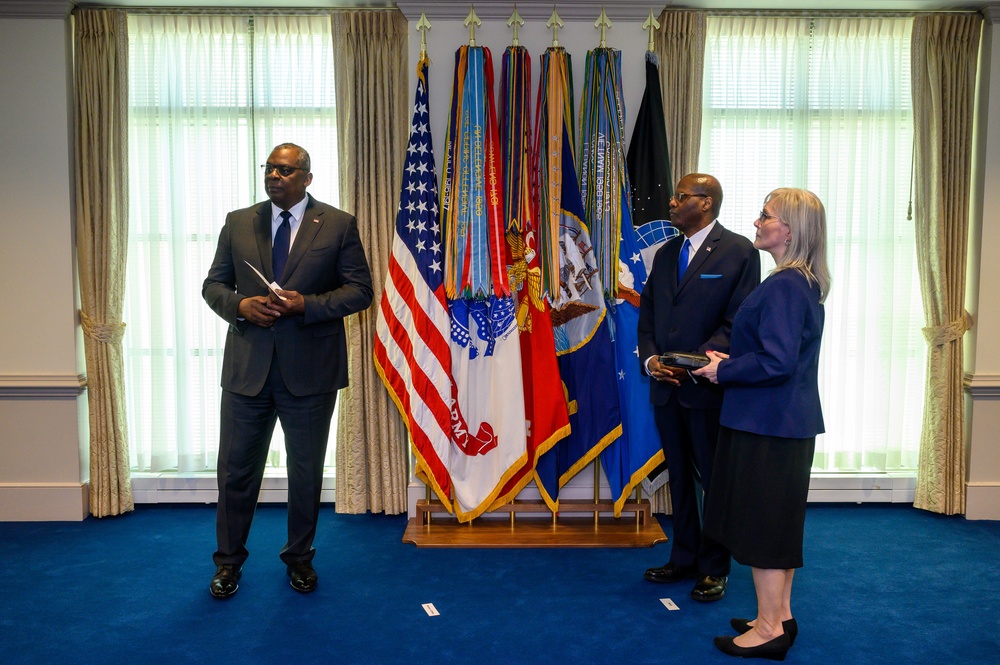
x: 285, y: 358
x: 697, y: 282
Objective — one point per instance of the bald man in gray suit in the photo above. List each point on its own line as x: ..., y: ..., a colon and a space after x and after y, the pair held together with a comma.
x: 285, y: 357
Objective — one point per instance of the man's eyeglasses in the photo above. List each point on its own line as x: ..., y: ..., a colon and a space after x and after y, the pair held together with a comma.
x: 680, y: 197
x: 283, y: 171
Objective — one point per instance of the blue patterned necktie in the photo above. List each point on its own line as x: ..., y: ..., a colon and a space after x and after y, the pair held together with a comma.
x: 682, y: 261
x: 279, y: 250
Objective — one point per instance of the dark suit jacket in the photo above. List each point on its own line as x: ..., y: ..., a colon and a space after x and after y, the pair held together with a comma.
x: 326, y: 264
x: 696, y: 314
x: 772, y: 378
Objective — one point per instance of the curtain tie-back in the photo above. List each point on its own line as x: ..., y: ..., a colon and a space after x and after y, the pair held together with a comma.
x: 941, y: 335
x: 107, y: 333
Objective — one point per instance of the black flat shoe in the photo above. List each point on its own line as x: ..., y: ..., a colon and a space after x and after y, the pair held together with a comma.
x: 225, y: 582
x: 304, y: 578
x: 670, y: 573
x: 791, y: 628
x: 709, y: 588
x: 772, y: 650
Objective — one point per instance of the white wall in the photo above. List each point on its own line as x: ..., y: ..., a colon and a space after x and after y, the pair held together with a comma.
x: 983, y: 340
x: 43, y: 456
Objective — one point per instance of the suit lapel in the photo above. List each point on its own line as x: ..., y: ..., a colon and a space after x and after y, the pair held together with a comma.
x: 262, y: 233
x: 309, y: 227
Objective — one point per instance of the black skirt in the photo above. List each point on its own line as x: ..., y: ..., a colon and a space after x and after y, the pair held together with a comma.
x: 756, y: 505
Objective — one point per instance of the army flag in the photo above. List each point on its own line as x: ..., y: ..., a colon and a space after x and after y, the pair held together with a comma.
x: 489, y: 429
x: 544, y: 405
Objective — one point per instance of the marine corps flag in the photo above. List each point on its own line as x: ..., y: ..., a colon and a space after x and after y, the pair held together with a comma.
x: 571, y: 282
x: 544, y: 404
x: 606, y: 189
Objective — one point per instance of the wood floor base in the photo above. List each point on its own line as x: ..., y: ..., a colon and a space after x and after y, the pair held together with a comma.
x: 498, y: 532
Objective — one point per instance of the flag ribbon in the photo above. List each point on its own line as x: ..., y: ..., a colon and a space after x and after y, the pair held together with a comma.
x: 604, y: 176
x: 555, y: 105
x: 472, y: 195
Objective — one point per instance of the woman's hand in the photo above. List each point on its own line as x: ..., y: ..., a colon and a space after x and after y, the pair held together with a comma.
x: 711, y: 370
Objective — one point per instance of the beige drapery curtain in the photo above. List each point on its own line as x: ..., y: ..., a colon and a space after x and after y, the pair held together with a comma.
x: 370, y: 56
x: 101, y: 82
x: 945, y: 49
x: 680, y: 45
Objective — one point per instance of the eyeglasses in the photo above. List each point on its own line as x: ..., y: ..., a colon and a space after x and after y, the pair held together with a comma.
x: 283, y: 171
x: 765, y: 218
x: 680, y: 197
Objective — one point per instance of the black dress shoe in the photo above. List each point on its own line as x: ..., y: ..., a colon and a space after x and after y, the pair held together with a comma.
x: 791, y: 627
x: 773, y: 650
x: 669, y: 573
x: 304, y: 578
x: 226, y: 580
x: 709, y: 588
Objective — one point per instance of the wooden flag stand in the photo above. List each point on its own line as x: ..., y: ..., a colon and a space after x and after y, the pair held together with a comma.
x: 531, y: 524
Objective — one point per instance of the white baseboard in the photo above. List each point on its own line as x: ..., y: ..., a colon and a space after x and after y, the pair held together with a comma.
x: 150, y: 488
x: 982, y: 501
x: 203, y: 488
x: 823, y: 488
x: 44, y: 502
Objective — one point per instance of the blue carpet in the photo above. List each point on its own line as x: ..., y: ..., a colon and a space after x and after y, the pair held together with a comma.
x: 882, y: 584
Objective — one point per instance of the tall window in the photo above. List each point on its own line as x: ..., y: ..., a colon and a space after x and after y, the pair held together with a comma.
x: 825, y: 104
x: 209, y: 96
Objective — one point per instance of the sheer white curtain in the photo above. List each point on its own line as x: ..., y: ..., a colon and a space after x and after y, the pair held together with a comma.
x: 209, y: 96
x: 825, y: 104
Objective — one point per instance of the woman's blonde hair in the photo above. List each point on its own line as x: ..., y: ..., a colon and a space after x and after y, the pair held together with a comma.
x: 805, y: 216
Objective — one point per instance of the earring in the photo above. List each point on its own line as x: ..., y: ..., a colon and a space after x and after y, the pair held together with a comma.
x: 788, y: 241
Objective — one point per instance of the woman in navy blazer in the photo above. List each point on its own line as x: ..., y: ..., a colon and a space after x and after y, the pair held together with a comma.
x: 771, y: 415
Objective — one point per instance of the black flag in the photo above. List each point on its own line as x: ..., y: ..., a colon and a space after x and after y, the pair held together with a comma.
x: 647, y: 159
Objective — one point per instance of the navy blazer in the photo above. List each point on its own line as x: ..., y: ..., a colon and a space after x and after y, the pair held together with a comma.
x: 326, y: 264
x: 696, y: 314
x: 772, y: 376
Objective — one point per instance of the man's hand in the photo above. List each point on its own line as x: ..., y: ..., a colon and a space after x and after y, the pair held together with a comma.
x: 660, y: 372
x: 293, y: 303
x: 259, y: 310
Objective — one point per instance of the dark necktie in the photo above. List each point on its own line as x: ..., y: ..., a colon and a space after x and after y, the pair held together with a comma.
x: 279, y: 250
x: 682, y: 260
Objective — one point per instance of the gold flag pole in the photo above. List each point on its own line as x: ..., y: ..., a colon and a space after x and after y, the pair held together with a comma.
x: 555, y: 23
x: 603, y: 23
x: 472, y: 22
x: 515, y: 21
x: 423, y: 25
x: 651, y: 25
x: 597, y: 491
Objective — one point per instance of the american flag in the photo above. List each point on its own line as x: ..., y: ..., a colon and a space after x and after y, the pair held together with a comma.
x: 412, y: 351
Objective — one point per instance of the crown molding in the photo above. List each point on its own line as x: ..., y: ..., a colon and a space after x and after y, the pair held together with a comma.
x: 36, y: 8
x: 620, y: 10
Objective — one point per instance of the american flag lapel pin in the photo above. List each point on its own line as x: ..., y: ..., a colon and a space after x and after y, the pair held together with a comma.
x: 315, y: 221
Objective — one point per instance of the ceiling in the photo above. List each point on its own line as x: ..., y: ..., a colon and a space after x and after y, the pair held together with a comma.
x: 574, y: 9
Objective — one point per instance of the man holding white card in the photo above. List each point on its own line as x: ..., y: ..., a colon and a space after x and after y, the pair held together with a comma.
x: 285, y: 357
